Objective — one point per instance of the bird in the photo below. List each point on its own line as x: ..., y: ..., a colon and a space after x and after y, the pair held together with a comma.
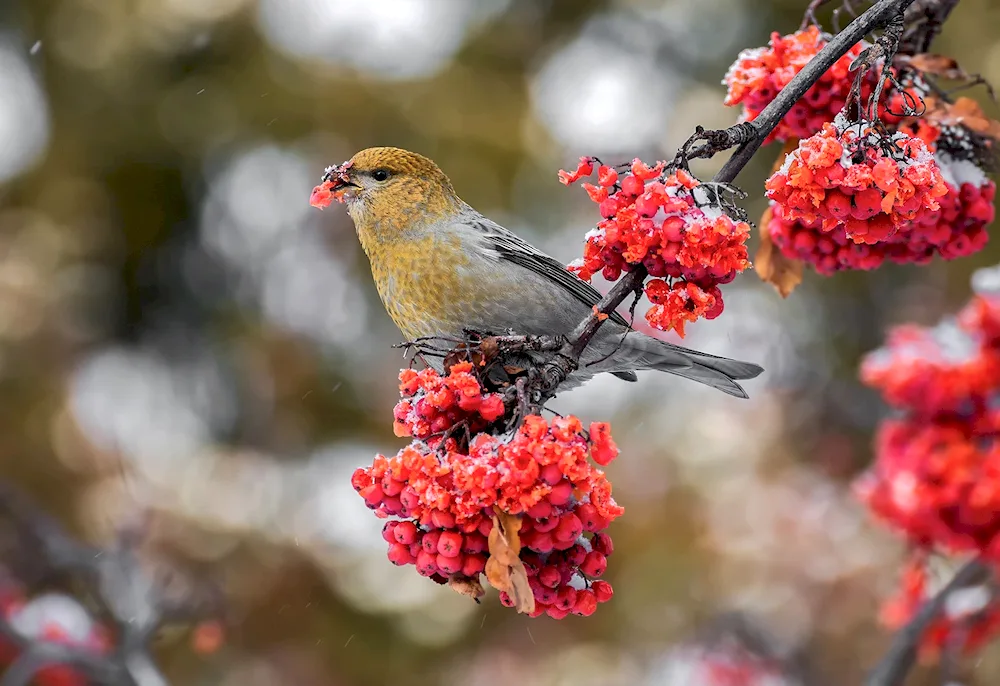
x: 441, y: 269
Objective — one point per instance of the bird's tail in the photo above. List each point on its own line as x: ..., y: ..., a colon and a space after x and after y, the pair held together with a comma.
x: 718, y: 372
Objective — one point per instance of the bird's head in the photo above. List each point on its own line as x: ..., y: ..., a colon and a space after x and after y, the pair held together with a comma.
x: 388, y: 189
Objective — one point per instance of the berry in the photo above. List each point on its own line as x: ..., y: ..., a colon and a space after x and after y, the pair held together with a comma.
x: 400, y: 554
x: 586, y: 603
x: 449, y: 564
x: 429, y: 542
x: 406, y: 533
x: 473, y: 564
x: 449, y: 544
x: 594, y: 564
x: 602, y: 591
x: 569, y: 528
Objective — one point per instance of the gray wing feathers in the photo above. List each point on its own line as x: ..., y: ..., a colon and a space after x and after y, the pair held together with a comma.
x: 636, y: 351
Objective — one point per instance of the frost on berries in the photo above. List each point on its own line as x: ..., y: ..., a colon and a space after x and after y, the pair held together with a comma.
x: 936, y: 474
x: 758, y: 75
x: 671, y: 224
x: 464, y: 498
x: 880, y: 199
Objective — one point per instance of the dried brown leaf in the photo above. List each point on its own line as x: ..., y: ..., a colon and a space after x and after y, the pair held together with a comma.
x: 504, y: 569
x: 466, y: 585
x: 773, y: 266
x: 938, y: 65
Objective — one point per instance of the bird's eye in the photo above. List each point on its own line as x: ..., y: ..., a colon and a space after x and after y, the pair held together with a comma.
x: 380, y: 175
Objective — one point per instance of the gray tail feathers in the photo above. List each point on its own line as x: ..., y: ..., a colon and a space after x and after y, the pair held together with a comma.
x: 718, y: 372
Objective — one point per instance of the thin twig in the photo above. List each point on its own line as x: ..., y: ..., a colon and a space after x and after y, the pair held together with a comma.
x: 899, y: 659
x: 567, y: 360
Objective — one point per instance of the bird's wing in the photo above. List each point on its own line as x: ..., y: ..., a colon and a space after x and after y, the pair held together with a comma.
x: 513, y: 249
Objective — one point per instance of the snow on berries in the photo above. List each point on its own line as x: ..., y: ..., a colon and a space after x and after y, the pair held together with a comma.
x: 936, y: 474
x: 529, y: 510
x: 671, y: 224
x: 758, y: 75
x: 849, y: 175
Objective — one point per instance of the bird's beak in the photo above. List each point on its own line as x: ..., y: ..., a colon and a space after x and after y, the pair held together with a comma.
x: 335, y: 185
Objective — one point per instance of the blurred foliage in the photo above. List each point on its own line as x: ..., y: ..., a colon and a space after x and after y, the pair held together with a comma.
x: 171, y: 339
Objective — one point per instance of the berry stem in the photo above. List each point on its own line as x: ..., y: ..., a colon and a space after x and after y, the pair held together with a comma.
x: 878, y: 16
x: 899, y: 659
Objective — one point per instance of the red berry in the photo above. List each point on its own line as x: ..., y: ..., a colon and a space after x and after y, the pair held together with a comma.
x: 631, y: 185
x: 474, y: 543
x: 570, y: 527
x: 566, y: 598
x: 602, y: 542
x: 867, y: 203
x: 602, y: 591
x: 409, y: 498
x: 486, y: 526
x: 576, y: 555
x: 586, y: 603
x: 473, y: 564
x: 541, y: 542
x: 388, y: 531
x: 556, y: 612
x: 406, y: 532
x: 561, y: 493
x: 546, y: 525
x: 427, y: 563
x: 506, y: 600
x: 550, y: 474
x: 391, y: 487
x: 372, y: 494
x: 594, y: 564
x: 442, y: 519
x: 400, y: 554
x: 591, y: 520
x: 549, y: 576
x: 838, y: 204
x: 449, y: 544
x: 429, y: 542
x: 448, y: 564
x: 540, y: 510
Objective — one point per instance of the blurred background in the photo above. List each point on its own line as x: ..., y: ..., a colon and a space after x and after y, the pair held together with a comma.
x: 180, y: 332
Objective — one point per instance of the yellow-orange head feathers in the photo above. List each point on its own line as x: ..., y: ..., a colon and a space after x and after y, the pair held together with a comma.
x: 393, y: 192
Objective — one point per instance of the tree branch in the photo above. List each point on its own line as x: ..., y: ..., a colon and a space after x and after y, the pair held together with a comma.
x: 899, y: 659
x: 567, y: 360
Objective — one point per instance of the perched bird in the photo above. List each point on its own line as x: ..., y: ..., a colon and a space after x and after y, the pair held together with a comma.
x: 441, y: 268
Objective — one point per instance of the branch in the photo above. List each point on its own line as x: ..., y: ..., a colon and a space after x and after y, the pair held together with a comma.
x: 567, y: 360
x: 924, y: 20
x: 899, y: 659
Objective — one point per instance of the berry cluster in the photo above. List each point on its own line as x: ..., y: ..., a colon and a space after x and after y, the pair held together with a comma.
x: 448, y: 497
x: 52, y: 618
x: 936, y: 475
x: 432, y: 404
x: 671, y: 224
x: 956, y: 229
x: 848, y: 175
x: 758, y: 75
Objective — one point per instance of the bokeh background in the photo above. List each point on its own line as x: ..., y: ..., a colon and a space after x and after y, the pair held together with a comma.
x: 181, y: 333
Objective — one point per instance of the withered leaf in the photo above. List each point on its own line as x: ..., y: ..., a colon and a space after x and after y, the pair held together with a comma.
x: 773, y: 266
x: 466, y: 585
x: 462, y: 353
x: 967, y: 112
x: 939, y: 65
x: 504, y: 569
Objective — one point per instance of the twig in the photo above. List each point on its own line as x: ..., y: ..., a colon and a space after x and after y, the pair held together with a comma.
x: 924, y: 20
x: 567, y: 360
x: 899, y: 659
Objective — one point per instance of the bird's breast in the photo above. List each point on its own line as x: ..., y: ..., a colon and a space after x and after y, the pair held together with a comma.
x: 425, y: 285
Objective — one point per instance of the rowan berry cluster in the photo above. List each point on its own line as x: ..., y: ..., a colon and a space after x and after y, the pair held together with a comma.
x: 671, y: 224
x: 936, y: 475
x: 446, y: 494
x: 904, y: 206
x: 759, y: 74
